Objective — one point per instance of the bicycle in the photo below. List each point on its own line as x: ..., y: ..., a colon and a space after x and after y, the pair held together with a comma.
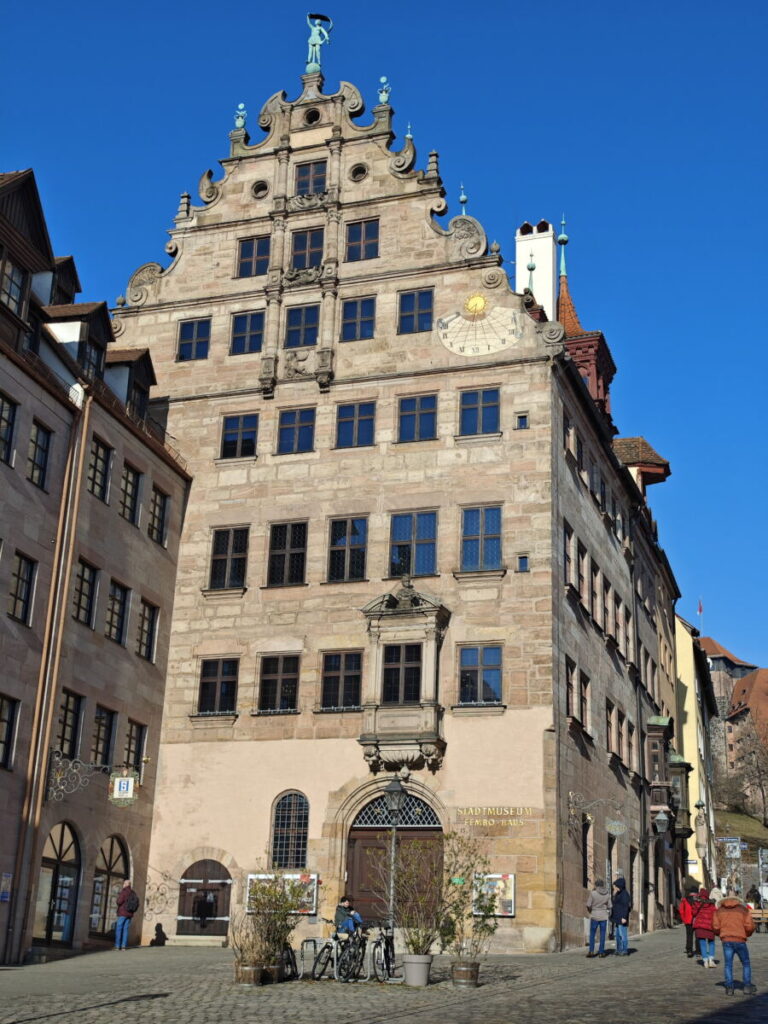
x: 329, y: 954
x: 290, y: 967
x: 352, y: 956
x: 383, y: 955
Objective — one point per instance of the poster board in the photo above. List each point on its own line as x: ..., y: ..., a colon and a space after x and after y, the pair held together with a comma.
x: 502, y: 888
x: 308, y: 902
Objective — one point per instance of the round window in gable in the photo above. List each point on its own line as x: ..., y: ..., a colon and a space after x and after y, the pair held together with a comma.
x: 312, y: 116
x: 358, y: 172
x: 259, y: 189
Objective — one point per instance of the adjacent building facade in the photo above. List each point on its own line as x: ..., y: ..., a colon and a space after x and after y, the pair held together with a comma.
x: 90, y: 518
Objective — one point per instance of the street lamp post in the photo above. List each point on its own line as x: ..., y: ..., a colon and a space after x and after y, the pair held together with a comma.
x: 394, y: 794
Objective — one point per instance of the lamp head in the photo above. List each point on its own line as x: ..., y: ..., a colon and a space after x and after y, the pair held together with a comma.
x: 394, y: 794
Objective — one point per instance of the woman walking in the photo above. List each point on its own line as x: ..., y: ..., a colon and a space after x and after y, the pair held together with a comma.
x: 703, y: 915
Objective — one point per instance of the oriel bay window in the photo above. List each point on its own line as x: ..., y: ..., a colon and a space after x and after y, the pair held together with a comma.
x: 402, y: 674
x: 413, y: 544
x: 341, y: 679
x: 481, y: 538
x: 218, y: 687
x: 346, y: 556
x: 229, y: 558
x: 279, y: 689
x: 287, y: 554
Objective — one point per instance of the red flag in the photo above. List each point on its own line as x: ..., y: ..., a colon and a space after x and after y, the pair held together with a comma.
x: 700, y: 610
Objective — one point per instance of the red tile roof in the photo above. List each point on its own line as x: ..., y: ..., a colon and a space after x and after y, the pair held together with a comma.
x: 635, y: 451
x: 713, y: 649
x: 566, y: 311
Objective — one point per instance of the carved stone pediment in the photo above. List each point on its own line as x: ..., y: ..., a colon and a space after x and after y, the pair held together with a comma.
x: 405, y: 600
x: 316, y: 201
x: 308, y: 275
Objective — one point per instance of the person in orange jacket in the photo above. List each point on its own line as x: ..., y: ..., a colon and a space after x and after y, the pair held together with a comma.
x: 685, y: 910
x: 732, y: 921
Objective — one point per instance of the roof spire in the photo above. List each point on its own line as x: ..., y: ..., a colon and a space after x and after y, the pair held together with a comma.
x: 530, y: 268
x: 562, y: 241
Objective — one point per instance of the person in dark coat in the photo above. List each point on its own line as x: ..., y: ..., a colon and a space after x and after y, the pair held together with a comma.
x: 127, y: 905
x: 599, y: 909
x: 686, y: 908
x: 702, y: 927
x: 621, y: 904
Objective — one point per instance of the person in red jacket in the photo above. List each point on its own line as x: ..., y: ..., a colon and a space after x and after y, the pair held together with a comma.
x: 127, y: 905
x: 685, y: 909
x: 703, y: 914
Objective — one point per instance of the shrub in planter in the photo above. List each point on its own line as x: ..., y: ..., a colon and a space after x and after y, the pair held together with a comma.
x: 259, y: 935
x: 468, y: 921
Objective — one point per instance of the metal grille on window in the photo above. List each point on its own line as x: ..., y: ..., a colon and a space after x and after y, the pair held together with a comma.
x: 415, y: 813
x: 289, y: 840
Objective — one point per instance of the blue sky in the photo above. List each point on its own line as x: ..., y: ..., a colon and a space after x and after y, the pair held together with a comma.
x: 646, y: 125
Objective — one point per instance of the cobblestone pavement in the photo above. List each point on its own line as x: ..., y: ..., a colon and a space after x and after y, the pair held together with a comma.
x: 657, y: 984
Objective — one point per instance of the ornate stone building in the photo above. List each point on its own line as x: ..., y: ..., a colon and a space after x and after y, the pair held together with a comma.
x: 413, y: 544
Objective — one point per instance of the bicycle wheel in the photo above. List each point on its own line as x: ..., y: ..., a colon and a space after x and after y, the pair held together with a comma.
x: 348, y: 963
x: 322, y: 960
x: 379, y: 961
x: 290, y: 968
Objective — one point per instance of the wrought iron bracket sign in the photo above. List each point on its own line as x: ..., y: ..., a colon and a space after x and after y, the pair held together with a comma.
x: 68, y: 775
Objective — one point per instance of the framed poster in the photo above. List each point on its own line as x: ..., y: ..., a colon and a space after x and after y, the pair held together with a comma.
x: 502, y: 888
x: 308, y: 901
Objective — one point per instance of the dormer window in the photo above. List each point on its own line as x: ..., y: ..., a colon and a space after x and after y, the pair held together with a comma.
x: 138, y: 400
x: 310, y: 178
x: 91, y: 358
x: 13, y: 286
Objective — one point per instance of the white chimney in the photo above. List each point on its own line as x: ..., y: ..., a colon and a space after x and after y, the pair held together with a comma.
x: 535, y: 247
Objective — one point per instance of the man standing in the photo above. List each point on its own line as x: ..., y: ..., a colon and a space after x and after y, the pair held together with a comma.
x: 599, y: 909
x: 733, y: 922
x: 621, y: 905
x: 127, y: 905
x: 686, y: 911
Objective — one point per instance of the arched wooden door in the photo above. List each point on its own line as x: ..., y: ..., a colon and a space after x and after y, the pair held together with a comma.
x: 204, y: 895
x: 368, y: 851
x: 57, y: 887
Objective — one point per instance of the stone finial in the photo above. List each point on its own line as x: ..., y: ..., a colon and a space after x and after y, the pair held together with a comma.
x: 433, y: 170
x: 463, y: 199
x: 241, y: 116
x: 184, y: 205
x: 120, y: 301
x: 384, y: 89
x: 562, y: 241
x: 530, y: 268
x: 495, y: 248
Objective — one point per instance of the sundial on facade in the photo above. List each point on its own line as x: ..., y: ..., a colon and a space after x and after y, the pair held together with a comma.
x: 477, y: 328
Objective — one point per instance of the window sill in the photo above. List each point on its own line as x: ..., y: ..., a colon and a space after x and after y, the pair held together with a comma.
x: 479, y: 574
x: 434, y: 441
x: 271, y: 712
x: 221, y: 461
x: 413, y: 576
x: 282, y: 586
x: 337, y: 711
x: 222, y: 592
x: 353, y: 447
x: 477, y: 438
x: 208, y: 717
x: 575, y: 725
x: 479, y: 709
x: 335, y: 583
x: 571, y: 592
x: 304, y: 451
